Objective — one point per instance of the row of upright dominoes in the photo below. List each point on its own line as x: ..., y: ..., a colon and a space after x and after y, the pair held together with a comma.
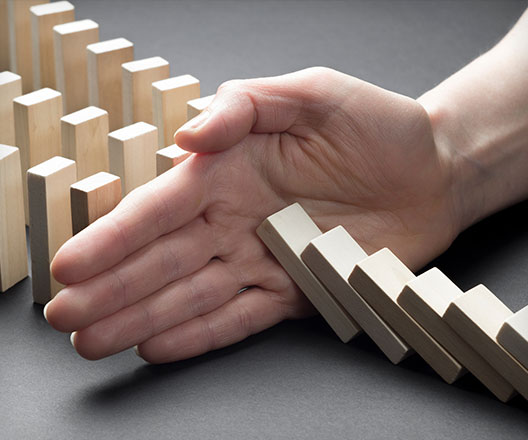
x: 451, y: 330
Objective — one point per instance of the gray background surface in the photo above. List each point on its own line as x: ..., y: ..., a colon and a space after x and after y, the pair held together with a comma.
x: 295, y: 380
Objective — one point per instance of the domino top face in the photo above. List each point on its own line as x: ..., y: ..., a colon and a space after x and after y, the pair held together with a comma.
x: 84, y: 115
x: 51, y: 8
x: 172, y: 152
x: 145, y: 64
x: 95, y: 181
x: 132, y: 131
x: 7, y: 150
x: 51, y: 166
x: 109, y: 45
x: 75, y: 26
x: 201, y: 103
x: 8, y: 77
x: 519, y: 321
x: 175, y: 82
x: 37, y: 97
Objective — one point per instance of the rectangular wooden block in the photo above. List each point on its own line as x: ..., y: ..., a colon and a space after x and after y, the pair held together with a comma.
x: 286, y: 234
x: 169, y: 157
x: 84, y: 136
x: 71, y: 74
x: 92, y: 198
x: 477, y: 316
x: 132, y: 152
x: 43, y: 18
x: 379, y: 279
x: 13, y: 251
x: 138, y: 77
x: 426, y: 298
x: 105, y: 76
x: 50, y: 220
x: 332, y: 257
x: 196, y: 106
x: 10, y: 88
x: 170, y: 97
x: 513, y: 336
x: 4, y: 37
x: 37, y: 129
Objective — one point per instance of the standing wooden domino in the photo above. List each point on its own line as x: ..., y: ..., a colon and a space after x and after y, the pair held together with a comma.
x: 169, y: 157
x: 286, y: 234
x: 4, y: 37
x: 43, y: 18
x: 105, y: 76
x: 85, y: 140
x: 70, y: 41
x: 477, y: 316
x: 37, y: 129
x: 138, y: 77
x: 50, y: 222
x: 10, y: 88
x: 426, y: 298
x: 198, y: 105
x: 13, y: 251
x: 170, y: 98
x: 331, y: 257
x: 92, y: 198
x: 379, y: 279
x: 132, y: 152
x: 513, y: 336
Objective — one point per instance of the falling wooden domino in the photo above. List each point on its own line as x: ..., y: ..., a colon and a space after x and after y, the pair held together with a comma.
x: 84, y: 136
x: 331, y: 257
x: 426, y: 298
x: 132, y: 152
x: 105, y: 76
x: 169, y: 157
x: 4, y: 37
x: 50, y: 222
x: 10, y: 88
x: 37, y: 129
x: 92, y: 198
x: 477, y: 316
x: 138, y: 77
x: 513, y: 336
x: 13, y: 251
x: 286, y: 234
x: 198, y: 105
x: 379, y: 279
x: 69, y: 42
x: 43, y: 18
x: 170, y: 97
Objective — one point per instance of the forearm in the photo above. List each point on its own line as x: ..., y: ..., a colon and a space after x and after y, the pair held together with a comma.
x: 480, y: 123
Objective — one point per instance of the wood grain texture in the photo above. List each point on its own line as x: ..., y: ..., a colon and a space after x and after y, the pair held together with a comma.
x: 513, y: 336
x: 197, y: 106
x: 13, y: 250
x: 50, y: 220
x: 10, y: 88
x: 169, y: 157
x: 4, y: 37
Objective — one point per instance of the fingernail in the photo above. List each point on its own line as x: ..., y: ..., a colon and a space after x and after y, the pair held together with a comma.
x: 136, y: 350
x: 72, y: 339
x: 45, y: 312
x: 196, y: 122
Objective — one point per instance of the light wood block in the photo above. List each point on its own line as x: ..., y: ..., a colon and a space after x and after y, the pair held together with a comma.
x: 92, y: 198
x: 85, y: 140
x: 20, y: 46
x: 4, y: 37
x: 50, y: 220
x: 197, y: 106
x: 286, y: 234
x: 13, y: 251
x: 169, y: 157
x: 105, y: 76
x: 332, y: 257
x: 379, y: 279
x: 138, y: 77
x: 132, y: 152
x: 37, y: 129
x: 10, y: 88
x: 477, y: 316
x: 71, y: 74
x: 513, y: 336
x: 426, y: 298
x: 170, y: 97
x: 43, y: 18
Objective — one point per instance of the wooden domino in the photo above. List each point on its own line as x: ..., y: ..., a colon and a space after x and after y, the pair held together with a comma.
x: 71, y: 75
x: 105, y: 76
x: 50, y: 222
x: 379, y: 279
x: 331, y: 257
x: 132, y: 153
x: 426, y: 298
x: 93, y: 197
x: 10, y: 88
x: 170, y: 97
x: 4, y: 37
x: 37, y: 129
x: 513, y: 336
x: 84, y: 136
x: 43, y: 18
x: 286, y: 234
x: 138, y: 77
x: 198, y: 105
x: 169, y: 157
x: 13, y: 251
x: 477, y: 316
